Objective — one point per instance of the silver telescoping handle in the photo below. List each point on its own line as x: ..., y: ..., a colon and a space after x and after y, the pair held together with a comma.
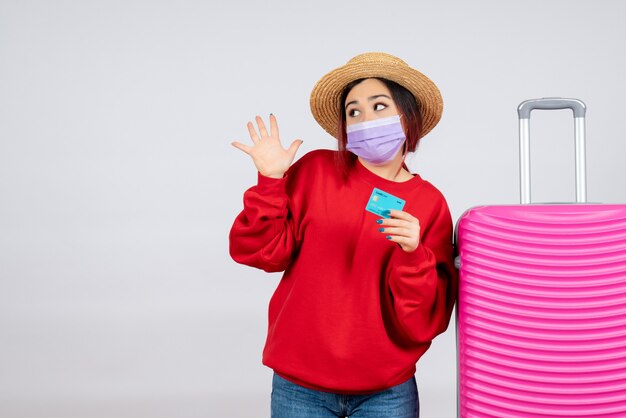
x: 550, y: 103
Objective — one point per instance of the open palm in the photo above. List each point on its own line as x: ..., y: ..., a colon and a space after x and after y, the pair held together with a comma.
x: 267, y: 152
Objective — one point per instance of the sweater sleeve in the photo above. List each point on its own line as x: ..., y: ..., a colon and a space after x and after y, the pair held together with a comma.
x: 262, y: 235
x: 424, y: 283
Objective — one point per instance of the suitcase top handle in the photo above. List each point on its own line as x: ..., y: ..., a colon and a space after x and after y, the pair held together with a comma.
x: 552, y: 103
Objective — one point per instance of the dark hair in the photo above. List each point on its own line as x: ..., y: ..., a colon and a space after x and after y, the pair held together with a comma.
x: 407, y: 106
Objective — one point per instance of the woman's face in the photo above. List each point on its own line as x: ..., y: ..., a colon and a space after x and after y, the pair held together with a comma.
x: 369, y: 100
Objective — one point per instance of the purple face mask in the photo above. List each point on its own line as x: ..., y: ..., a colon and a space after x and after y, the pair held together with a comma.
x: 376, y: 141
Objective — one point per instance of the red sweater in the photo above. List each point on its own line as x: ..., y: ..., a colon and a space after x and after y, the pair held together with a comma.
x: 353, y: 312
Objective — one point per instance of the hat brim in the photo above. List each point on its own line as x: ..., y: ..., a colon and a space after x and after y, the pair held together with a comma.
x: 325, y: 96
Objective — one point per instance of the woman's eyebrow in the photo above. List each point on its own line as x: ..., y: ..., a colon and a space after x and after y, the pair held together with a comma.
x: 369, y: 99
x: 377, y: 96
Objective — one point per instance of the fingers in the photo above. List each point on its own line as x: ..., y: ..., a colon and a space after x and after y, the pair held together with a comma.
x: 400, y: 214
x: 262, y: 129
x: 403, y: 229
x: 252, y: 132
x: 406, y: 222
x: 406, y: 243
x: 293, y: 148
x: 397, y: 231
x: 241, y: 146
x: 411, y: 233
x: 273, y: 126
x: 261, y: 125
x: 262, y: 134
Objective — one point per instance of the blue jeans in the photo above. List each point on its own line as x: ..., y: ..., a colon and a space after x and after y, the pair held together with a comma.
x: 294, y: 401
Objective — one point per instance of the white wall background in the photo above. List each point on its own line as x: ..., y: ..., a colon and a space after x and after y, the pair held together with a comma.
x: 118, y: 185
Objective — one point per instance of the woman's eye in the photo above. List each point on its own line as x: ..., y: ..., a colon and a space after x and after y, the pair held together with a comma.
x: 353, y: 112
x: 380, y: 106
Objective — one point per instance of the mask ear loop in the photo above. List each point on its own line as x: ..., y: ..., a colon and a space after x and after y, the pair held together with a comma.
x: 405, y: 150
x: 402, y: 164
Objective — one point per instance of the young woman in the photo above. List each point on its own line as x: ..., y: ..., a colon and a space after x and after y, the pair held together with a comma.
x: 366, y: 246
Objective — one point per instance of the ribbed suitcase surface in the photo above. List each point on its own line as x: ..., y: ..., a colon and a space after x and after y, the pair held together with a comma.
x: 542, y: 311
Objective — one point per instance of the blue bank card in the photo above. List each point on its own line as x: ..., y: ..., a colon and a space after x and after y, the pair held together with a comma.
x: 381, y: 201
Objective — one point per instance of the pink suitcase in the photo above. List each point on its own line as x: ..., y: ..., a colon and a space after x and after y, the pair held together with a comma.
x: 541, y: 318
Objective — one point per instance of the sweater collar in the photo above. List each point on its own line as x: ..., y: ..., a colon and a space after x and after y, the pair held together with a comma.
x: 375, y: 180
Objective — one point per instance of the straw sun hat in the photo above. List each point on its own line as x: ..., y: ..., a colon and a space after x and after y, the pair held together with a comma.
x: 325, y: 96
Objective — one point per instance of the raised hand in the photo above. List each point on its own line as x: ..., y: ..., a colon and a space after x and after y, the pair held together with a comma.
x: 267, y: 152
